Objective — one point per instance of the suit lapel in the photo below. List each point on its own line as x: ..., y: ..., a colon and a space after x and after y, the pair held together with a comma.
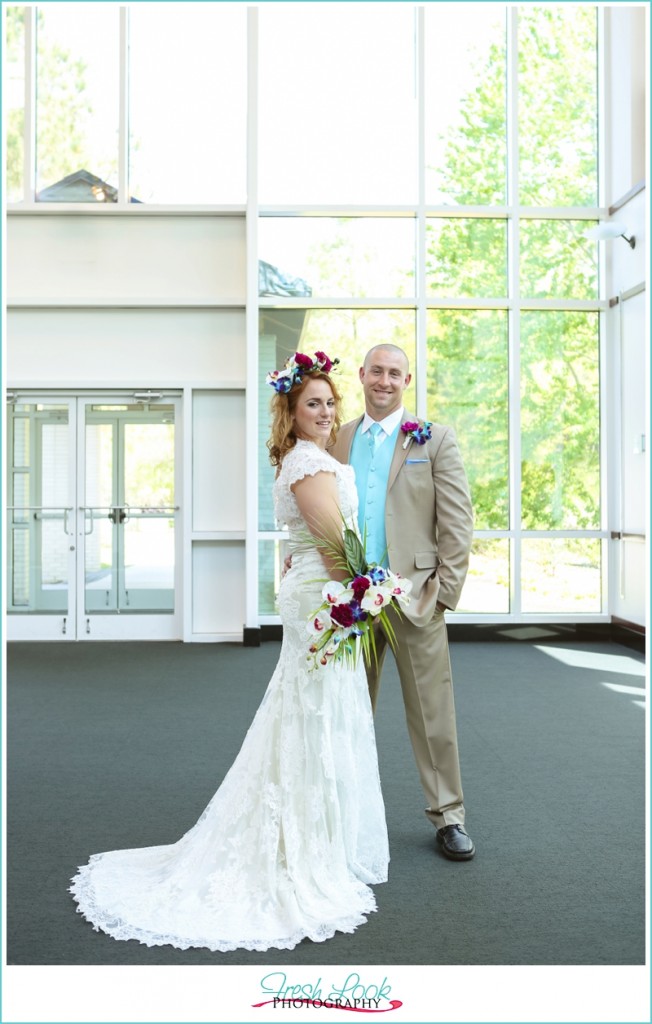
x: 400, y: 453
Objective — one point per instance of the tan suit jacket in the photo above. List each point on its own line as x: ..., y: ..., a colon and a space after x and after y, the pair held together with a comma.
x: 428, y: 516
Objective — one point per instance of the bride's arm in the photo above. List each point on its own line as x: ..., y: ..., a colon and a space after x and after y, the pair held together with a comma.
x: 318, y: 503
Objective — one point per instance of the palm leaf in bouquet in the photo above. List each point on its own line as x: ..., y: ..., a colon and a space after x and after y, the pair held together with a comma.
x: 354, y: 553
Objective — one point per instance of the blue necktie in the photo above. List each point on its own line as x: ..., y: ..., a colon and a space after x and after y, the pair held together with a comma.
x: 374, y: 433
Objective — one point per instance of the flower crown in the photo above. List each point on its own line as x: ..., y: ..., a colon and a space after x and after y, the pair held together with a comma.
x: 284, y: 380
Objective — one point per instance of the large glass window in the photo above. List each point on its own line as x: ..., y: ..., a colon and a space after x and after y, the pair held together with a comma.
x: 532, y: 457
x: 463, y: 243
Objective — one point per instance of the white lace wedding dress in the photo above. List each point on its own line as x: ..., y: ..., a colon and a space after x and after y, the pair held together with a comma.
x: 289, y: 844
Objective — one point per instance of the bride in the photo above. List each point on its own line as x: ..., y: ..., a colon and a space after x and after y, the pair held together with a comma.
x: 290, y: 842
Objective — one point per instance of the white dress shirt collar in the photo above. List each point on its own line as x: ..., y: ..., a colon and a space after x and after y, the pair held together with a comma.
x: 389, y: 424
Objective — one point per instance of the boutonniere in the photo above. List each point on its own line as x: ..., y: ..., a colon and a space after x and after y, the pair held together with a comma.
x: 419, y: 431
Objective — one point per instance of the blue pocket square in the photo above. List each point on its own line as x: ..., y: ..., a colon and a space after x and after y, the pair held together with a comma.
x: 411, y: 462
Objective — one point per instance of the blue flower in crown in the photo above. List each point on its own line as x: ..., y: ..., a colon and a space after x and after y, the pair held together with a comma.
x: 419, y: 432
x: 295, y: 367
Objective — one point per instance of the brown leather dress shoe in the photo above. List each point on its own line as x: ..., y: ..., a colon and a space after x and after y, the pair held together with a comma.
x: 455, y: 842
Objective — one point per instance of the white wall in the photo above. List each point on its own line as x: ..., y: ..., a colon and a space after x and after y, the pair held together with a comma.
x: 141, y: 300
x: 109, y: 258
x: 626, y: 323
x: 217, y: 543
x: 107, y: 347
x: 626, y: 72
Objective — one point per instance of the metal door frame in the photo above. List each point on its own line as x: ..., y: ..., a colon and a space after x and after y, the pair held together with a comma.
x: 76, y: 624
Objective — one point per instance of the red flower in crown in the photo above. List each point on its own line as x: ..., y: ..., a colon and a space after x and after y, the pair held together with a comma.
x: 325, y: 363
x: 304, y: 361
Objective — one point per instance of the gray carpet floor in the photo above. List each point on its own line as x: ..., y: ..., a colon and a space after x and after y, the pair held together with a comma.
x: 119, y: 745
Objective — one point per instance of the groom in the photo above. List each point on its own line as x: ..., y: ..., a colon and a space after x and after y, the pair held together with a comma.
x: 415, y: 509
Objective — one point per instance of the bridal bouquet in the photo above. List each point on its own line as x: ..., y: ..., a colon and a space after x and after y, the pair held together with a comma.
x: 343, y: 623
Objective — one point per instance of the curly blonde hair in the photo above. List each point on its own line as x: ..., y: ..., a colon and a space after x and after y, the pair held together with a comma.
x: 283, y: 437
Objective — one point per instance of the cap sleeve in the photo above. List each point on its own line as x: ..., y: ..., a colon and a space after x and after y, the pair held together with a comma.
x: 305, y: 460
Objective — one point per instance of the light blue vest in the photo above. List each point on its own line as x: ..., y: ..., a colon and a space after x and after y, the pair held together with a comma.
x: 371, y: 478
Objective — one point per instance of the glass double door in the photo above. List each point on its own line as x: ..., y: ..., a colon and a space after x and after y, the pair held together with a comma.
x: 93, y: 524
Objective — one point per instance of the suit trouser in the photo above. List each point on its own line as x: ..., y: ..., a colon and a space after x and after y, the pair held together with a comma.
x: 423, y: 664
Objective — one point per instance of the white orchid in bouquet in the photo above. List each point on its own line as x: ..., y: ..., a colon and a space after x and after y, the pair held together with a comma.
x: 343, y: 624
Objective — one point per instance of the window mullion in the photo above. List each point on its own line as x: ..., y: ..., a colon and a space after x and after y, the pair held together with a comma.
x: 29, y: 128
x: 252, y: 316
x: 514, y: 323
x: 123, y: 113
x: 421, y: 354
